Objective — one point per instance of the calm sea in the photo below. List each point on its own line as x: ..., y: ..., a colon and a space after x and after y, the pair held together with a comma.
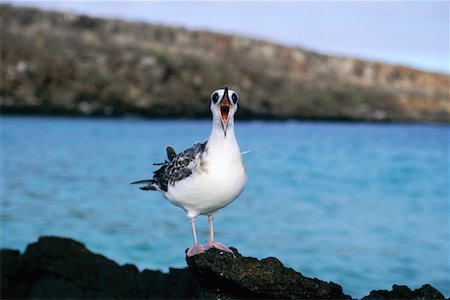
x: 363, y: 205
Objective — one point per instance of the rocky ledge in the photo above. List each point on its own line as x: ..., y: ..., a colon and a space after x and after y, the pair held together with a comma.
x: 61, y: 268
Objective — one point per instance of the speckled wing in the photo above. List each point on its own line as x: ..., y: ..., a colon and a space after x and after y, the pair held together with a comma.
x: 179, y: 167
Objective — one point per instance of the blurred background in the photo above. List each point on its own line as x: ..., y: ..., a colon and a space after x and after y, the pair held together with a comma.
x: 344, y: 107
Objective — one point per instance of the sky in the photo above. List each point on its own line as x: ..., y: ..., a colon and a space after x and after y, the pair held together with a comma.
x: 412, y: 33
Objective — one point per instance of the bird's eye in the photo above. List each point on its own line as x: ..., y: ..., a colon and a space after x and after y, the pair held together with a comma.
x: 235, y: 98
x: 215, y: 98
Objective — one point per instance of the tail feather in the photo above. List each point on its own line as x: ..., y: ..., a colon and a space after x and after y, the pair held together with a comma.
x: 143, y: 181
x: 148, y: 188
x: 150, y: 184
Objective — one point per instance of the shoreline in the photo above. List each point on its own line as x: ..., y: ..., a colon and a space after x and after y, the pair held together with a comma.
x: 243, y: 120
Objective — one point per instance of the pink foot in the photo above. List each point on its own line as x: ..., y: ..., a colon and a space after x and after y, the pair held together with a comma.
x: 219, y: 246
x: 195, y: 250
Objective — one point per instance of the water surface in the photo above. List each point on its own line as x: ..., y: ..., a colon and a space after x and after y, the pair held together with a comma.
x: 363, y: 205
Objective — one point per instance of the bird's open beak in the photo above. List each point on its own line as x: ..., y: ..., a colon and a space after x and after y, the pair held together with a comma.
x: 224, y: 111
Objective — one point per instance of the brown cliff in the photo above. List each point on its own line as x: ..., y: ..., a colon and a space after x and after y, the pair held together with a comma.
x: 60, y: 63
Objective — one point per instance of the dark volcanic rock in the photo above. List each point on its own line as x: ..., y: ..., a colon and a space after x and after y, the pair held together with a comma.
x: 59, y: 268
x: 246, y: 277
x: 403, y: 292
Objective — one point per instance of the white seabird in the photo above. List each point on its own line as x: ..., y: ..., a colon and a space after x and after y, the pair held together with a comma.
x: 208, y: 176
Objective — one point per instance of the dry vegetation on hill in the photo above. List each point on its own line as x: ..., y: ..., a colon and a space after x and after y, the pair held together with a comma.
x: 58, y: 63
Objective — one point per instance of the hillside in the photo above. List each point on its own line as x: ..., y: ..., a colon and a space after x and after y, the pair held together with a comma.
x: 61, y: 63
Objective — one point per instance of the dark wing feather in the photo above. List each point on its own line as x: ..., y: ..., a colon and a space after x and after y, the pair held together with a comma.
x: 177, y: 168
x: 170, y: 153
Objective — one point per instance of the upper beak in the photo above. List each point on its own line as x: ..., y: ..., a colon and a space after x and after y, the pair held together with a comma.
x: 224, y: 111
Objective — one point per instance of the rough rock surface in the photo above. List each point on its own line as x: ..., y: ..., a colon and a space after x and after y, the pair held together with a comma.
x: 404, y: 292
x: 61, y: 268
x: 240, y: 276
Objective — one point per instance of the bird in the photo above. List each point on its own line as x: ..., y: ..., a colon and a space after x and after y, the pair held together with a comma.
x: 207, y: 176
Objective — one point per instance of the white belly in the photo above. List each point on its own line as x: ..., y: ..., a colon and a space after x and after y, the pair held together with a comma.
x: 208, y: 190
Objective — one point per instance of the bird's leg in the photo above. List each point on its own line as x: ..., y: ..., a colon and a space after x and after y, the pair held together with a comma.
x: 196, y: 248
x: 211, y: 242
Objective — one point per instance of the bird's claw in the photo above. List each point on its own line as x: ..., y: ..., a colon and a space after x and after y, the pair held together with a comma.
x: 219, y: 246
x: 195, y: 250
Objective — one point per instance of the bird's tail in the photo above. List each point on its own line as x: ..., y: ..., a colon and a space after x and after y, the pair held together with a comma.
x: 150, y: 184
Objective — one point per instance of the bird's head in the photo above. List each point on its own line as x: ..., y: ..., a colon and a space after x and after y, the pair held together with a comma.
x: 224, y: 106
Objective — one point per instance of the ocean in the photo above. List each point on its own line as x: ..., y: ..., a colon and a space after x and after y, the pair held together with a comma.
x: 363, y: 205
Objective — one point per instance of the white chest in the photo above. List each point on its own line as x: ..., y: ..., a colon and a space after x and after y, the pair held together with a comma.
x: 217, y: 181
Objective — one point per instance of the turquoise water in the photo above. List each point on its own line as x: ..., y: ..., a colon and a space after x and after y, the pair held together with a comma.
x: 363, y: 205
